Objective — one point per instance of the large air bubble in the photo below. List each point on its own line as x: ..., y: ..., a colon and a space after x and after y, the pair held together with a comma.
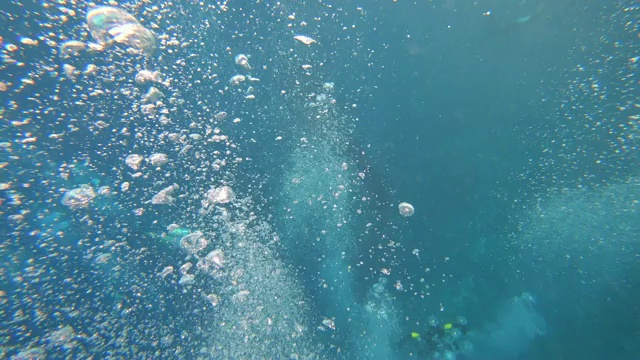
x: 108, y: 24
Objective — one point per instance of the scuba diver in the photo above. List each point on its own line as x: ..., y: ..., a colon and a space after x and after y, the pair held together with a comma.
x: 438, y: 341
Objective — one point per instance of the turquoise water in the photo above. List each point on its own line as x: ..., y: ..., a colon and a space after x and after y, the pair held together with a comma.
x: 224, y: 179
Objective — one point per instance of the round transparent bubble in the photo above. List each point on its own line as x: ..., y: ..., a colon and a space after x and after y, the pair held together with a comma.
x: 146, y: 76
x: 72, y: 48
x: 243, y: 61
x: 216, y: 258
x: 108, y: 24
x: 461, y: 320
x: 164, y: 195
x: 221, y: 195
x: 193, y: 243
x: 406, y: 209
x: 134, y: 161
x: 158, y: 159
x: 139, y: 38
x: 102, y: 19
x: 79, y: 197
x: 187, y: 279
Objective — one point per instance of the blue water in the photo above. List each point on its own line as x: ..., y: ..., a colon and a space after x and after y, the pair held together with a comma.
x: 510, y: 126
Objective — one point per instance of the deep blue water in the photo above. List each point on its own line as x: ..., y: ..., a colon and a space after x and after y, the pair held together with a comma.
x: 510, y: 126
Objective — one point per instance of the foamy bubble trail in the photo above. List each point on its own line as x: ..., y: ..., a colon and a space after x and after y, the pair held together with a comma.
x: 262, y: 313
x: 381, y: 321
x: 319, y: 195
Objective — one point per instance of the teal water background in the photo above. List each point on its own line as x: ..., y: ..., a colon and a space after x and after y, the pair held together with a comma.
x: 510, y: 126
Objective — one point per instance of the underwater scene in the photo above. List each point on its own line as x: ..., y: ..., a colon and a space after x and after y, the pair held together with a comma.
x: 320, y: 179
